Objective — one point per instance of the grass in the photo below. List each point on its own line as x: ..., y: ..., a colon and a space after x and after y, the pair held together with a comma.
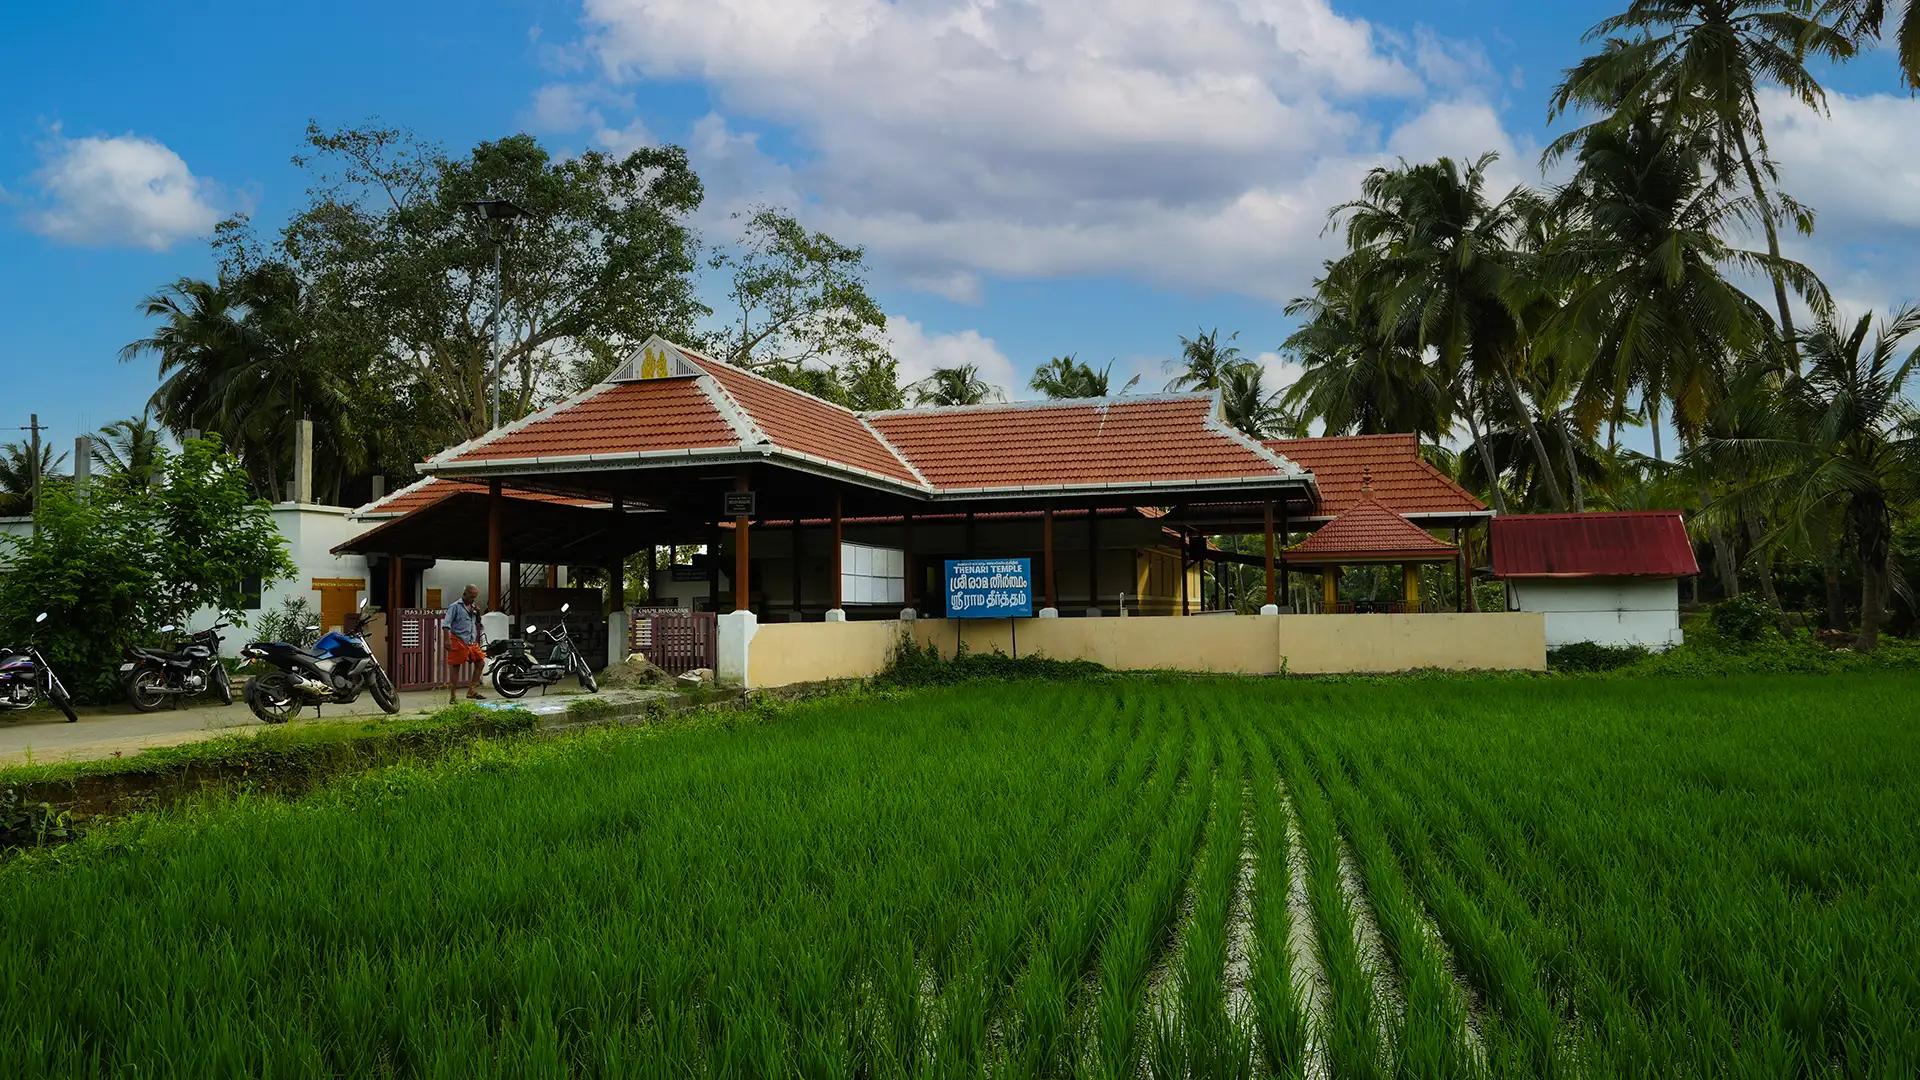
x: 1449, y: 877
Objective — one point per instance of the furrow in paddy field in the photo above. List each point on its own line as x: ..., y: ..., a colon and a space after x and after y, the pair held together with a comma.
x: 1285, y: 999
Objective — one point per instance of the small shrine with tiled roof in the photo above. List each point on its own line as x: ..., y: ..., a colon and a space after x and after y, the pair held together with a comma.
x: 1367, y: 531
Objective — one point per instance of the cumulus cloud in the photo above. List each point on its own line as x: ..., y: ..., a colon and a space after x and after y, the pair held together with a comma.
x: 920, y: 351
x: 122, y: 190
x: 1196, y: 144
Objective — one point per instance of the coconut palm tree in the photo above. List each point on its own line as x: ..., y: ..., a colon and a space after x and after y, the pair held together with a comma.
x: 960, y: 385
x: 1247, y: 406
x: 1866, y: 20
x: 129, y: 451
x: 1359, y: 376
x: 1838, y: 439
x: 1205, y: 360
x: 1442, y: 256
x: 1707, y: 59
x: 1066, y: 377
x: 17, y: 474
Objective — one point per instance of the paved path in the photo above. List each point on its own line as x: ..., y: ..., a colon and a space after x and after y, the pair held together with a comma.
x: 43, y: 735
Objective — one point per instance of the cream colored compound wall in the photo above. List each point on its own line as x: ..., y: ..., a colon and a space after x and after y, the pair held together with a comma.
x: 785, y: 653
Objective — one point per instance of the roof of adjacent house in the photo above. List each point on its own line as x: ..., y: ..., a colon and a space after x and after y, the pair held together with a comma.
x: 1636, y: 543
x: 432, y: 489
x: 1400, y: 478
x: 671, y: 404
x: 1368, y: 531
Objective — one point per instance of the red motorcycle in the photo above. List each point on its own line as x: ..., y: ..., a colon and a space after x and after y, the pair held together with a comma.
x: 25, y: 677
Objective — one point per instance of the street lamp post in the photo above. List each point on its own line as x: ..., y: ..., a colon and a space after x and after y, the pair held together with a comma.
x: 499, y: 214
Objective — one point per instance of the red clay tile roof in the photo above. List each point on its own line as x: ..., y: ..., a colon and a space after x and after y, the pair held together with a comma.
x: 628, y: 417
x: 1368, y: 530
x: 1122, y: 442
x: 433, y: 489
x: 798, y: 421
x: 1639, y: 543
x: 1401, y: 480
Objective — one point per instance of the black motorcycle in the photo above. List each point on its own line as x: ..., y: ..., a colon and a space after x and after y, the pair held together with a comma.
x: 191, y: 667
x: 517, y: 669
x: 26, y: 677
x: 332, y: 671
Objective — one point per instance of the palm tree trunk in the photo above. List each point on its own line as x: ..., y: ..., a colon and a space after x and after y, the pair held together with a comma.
x: 1836, y: 613
x: 1573, y: 473
x: 1498, y: 498
x: 1871, y: 525
x: 1724, y: 563
x: 1773, y: 242
x: 1521, y: 413
x: 1653, y: 422
x: 1762, y: 558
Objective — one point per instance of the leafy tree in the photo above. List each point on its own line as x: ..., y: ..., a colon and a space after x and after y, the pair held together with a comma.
x: 129, y: 451
x: 17, y: 474
x: 960, y: 385
x: 798, y: 299
x: 1866, y: 20
x: 209, y: 534
x: 401, y: 265
x: 1708, y: 59
x: 866, y: 384
x: 1839, y: 439
x: 1066, y: 377
x: 1205, y: 360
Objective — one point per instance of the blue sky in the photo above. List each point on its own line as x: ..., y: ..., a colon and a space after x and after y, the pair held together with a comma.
x: 1028, y: 179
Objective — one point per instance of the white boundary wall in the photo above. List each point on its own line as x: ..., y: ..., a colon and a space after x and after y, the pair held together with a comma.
x: 1603, y: 610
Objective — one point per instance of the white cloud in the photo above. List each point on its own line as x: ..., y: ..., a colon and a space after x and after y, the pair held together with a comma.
x: 920, y: 351
x: 122, y: 190
x: 1197, y: 144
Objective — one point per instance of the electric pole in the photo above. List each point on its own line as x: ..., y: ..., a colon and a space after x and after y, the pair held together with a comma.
x: 33, y: 470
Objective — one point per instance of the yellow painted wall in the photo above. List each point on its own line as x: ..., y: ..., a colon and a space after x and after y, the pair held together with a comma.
x: 783, y: 654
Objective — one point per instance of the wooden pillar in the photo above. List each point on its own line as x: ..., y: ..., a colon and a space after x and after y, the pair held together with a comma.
x: 651, y: 571
x: 741, y: 526
x: 514, y: 578
x: 396, y: 577
x: 495, y: 508
x: 1410, y: 585
x: 1329, y: 589
x: 1272, y: 595
x: 1186, y: 607
x: 839, y: 571
x: 1046, y: 553
x: 1093, y: 558
x: 713, y: 569
x: 912, y: 585
x: 794, y: 546
x: 1459, y: 572
x: 1286, y: 541
x: 617, y: 568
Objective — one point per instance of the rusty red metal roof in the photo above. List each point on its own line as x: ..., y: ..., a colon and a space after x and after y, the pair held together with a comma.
x: 798, y: 421
x: 615, y: 418
x: 1636, y: 543
x: 1401, y: 480
x: 433, y: 489
x: 1368, y: 531
x: 1122, y: 441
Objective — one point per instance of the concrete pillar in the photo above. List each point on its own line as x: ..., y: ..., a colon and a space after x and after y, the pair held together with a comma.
x: 494, y: 511
x: 379, y: 487
x: 303, y: 461
x: 619, y: 642
x: 82, y: 465
x: 731, y: 647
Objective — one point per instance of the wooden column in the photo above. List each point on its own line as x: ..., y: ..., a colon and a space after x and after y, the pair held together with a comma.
x: 713, y: 570
x: 396, y: 577
x: 1093, y: 558
x: 1272, y: 582
x: 741, y: 525
x: 651, y: 571
x: 494, y: 511
x: 1046, y: 553
x: 1186, y: 608
x: 1286, y: 541
x: 617, y: 568
x: 1459, y: 572
x: 911, y: 586
x: 839, y: 571
x: 1329, y: 589
x: 1410, y: 585
x: 794, y: 547
x: 515, y: 576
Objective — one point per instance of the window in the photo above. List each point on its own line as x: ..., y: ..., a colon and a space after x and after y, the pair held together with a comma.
x: 872, y: 575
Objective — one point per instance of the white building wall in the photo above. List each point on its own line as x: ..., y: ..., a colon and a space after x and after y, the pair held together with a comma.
x: 1605, y: 611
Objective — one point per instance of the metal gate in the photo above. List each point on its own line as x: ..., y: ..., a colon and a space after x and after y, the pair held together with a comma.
x: 423, y: 649
x: 676, y: 641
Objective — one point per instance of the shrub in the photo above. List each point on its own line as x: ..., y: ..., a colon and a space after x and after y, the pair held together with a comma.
x: 289, y: 624
x: 914, y: 665
x: 1589, y: 656
x: 1745, y: 619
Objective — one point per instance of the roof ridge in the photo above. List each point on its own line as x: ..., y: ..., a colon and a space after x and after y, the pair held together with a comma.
x: 365, y: 509
x: 1216, y: 423
x: 898, y: 454
x: 701, y: 357
x: 737, y: 417
x: 1109, y: 401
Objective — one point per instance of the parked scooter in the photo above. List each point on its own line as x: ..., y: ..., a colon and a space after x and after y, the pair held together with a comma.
x: 516, y: 669
x: 155, y: 675
x: 333, y: 671
x: 25, y: 676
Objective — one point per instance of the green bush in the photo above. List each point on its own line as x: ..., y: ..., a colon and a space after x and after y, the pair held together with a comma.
x: 1588, y: 656
x: 914, y: 665
x: 1745, y: 619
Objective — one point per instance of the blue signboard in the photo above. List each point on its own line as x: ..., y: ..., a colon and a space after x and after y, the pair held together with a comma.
x: 989, y: 588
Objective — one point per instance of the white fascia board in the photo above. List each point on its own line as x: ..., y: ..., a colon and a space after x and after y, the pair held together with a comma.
x: 1301, y: 481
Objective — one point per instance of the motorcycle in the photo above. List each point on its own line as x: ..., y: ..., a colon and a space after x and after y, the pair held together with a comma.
x: 516, y: 669
x: 332, y: 671
x: 25, y: 676
x: 154, y: 675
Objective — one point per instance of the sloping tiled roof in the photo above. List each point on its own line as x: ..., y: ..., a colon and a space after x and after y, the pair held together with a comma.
x: 1401, y: 479
x: 615, y: 418
x: 1123, y: 441
x: 798, y: 421
x: 433, y: 489
x: 1640, y: 543
x: 1368, y: 530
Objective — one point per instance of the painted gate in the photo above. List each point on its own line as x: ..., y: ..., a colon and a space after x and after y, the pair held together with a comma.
x: 423, y: 649
x: 675, y: 640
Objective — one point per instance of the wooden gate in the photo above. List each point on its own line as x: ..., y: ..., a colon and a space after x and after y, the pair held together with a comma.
x: 423, y: 649
x: 677, y: 641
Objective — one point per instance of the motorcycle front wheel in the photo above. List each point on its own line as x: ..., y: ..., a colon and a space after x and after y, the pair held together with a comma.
x: 271, y: 698
x: 509, y: 678
x: 57, y: 692
x: 222, y: 685
x: 587, y: 682
x: 147, y: 689
x: 383, y: 693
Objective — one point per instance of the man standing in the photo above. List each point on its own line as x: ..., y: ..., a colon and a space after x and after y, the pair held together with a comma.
x: 463, y: 644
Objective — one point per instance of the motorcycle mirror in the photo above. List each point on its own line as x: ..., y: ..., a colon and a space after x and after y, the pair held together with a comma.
x: 363, y: 603
x: 564, y: 608
x: 532, y: 629
x: 168, y: 629
x: 313, y: 628
x: 40, y: 618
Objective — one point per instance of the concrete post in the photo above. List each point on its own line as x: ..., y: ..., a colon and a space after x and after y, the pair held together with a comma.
x: 303, y: 461
x: 82, y: 465
x: 731, y: 647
